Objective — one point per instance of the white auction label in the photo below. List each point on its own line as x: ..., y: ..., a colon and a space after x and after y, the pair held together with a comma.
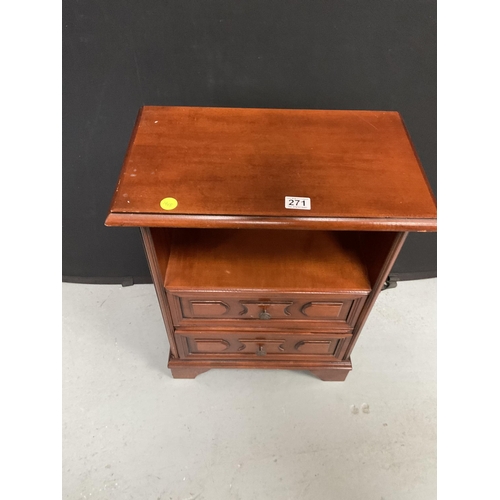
x: 297, y: 203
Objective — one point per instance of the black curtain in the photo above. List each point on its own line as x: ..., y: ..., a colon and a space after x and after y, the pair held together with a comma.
x: 317, y: 54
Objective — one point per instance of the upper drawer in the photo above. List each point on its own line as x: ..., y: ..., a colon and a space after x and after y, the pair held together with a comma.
x: 227, y: 309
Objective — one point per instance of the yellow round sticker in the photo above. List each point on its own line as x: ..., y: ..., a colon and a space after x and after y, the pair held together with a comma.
x: 168, y: 203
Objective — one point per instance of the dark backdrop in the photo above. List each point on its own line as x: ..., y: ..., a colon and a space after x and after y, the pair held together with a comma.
x: 337, y: 54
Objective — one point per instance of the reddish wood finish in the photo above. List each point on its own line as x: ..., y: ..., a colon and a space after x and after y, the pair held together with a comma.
x: 263, y: 346
x: 336, y: 374
x: 157, y: 248
x: 185, y: 371
x: 324, y: 370
x: 249, y: 309
x: 266, y: 260
x: 240, y: 222
x: 243, y: 162
x: 237, y: 287
x: 385, y: 255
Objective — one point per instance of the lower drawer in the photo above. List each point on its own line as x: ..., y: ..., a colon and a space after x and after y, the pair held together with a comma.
x: 262, y: 345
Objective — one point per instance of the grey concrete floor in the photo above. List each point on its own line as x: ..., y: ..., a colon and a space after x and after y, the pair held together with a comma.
x: 130, y: 431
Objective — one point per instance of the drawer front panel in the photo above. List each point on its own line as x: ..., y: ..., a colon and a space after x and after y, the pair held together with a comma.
x: 265, y: 345
x: 290, y: 311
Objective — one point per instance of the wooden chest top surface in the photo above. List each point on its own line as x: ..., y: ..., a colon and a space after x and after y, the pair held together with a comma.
x: 231, y: 166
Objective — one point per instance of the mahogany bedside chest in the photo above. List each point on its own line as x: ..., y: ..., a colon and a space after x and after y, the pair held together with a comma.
x: 269, y: 233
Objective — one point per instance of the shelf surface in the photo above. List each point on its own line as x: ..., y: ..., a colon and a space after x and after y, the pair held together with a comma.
x: 281, y: 260
x: 234, y: 167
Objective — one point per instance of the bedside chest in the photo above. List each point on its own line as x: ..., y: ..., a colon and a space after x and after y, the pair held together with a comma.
x: 269, y: 233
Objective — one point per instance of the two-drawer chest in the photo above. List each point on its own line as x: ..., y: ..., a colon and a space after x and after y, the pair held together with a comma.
x: 269, y: 233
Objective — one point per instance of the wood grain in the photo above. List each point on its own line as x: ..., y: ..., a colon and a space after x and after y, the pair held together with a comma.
x: 262, y: 346
x: 157, y: 249
x: 316, y: 261
x: 244, y: 282
x: 252, y: 222
x: 243, y: 162
x: 385, y: 254
x: 243, y: 309
x: 325, y: 370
